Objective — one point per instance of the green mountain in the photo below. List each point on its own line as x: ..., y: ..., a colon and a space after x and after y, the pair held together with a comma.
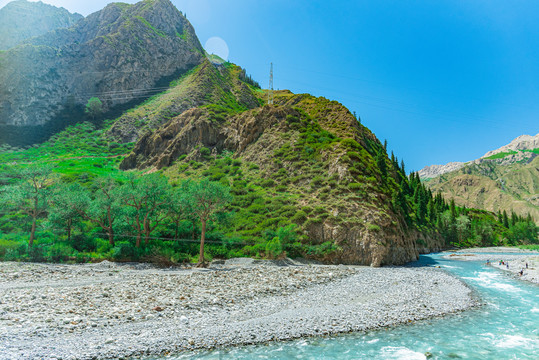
x: 121, y: 55
x: 304, y: 160
x: 306, y: 178
x: 505, y: 179
x: 21, y: 20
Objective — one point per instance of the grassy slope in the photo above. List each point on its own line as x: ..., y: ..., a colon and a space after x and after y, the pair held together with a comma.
x: 312, y: 165
x: 493, y: 187
x: 202, y: 85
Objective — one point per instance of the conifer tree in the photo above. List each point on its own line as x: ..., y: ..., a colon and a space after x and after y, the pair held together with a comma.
x: 505, y: 220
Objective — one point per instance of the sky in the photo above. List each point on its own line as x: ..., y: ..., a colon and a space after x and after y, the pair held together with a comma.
x: 441, y: 80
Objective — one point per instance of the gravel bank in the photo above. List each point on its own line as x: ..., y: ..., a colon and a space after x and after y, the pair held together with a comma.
x: 115, y: 311
x: 517, y: 261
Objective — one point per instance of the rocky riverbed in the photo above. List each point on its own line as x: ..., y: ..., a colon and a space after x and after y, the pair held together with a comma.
x: 117, y: 311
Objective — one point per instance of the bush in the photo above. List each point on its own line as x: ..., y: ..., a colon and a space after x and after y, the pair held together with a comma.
x: 102, y: 246
x: 373, y: 227
x: 317, y: 181
x: 205, y: 152
x: 274, y: 248
x: 81, y: 242
x: 267, y: 183
x: 124, y: 250
x: 11, y: 250
x: 354, y: 186
x: 299, y: 217
x: 350, y: 143
x: 60, y: 252
x: 36, y: 253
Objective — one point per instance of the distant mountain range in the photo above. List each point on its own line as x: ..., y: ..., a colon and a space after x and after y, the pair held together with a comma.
x: 503, y: 179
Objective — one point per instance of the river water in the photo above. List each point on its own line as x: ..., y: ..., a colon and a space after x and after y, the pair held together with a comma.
x: 506, y: 327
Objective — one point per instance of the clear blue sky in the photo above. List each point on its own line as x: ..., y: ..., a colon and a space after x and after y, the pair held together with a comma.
x: 440, y: 80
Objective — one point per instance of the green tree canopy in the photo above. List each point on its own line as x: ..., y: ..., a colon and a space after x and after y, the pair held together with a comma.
x: 205, y: 198
x: 30, y: 193
x: 94, y: 107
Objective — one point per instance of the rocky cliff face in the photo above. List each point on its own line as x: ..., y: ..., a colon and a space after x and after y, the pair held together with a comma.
x: 121, y: 54
x: 21, y: 20
x: 432, y: 171
x: 282, y: 144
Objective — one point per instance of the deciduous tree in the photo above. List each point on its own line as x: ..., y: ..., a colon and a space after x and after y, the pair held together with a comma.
x: 206, y: 198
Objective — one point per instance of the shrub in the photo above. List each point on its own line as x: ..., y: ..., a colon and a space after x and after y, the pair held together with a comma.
x: 81, y: 242
x: 350, y: 143
x: 205, y: 152
x: 124, y: 250
x: 274, y: 248
x: 36, y: 253
x: 60, y: 252
x: 11, y: 250
x: 354, y: 186
x: 102, y: 246
x: 317, y: 181
x: 373, y: 227
x: 267, y: 183
x: 299, y: 217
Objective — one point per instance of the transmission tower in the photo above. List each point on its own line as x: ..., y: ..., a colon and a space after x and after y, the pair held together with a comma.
x: 270, y: 88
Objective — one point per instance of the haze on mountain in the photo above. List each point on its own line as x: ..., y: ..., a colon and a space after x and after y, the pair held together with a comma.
x: 21, y: 20
x: 121, y: 54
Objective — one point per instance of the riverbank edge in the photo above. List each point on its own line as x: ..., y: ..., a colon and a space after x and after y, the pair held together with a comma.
x: 162, y: 346
x: 517, y: 258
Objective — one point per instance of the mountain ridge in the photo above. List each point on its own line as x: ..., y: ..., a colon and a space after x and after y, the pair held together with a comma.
x: 505, y: 179
x: 518, y: 150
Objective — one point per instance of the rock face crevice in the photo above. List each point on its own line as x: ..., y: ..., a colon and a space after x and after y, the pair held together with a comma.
x: 119, y: 54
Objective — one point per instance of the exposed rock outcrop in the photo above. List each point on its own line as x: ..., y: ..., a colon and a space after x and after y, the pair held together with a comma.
x: 436, y: 170
x: 121, y: 54
x: 523, y: 142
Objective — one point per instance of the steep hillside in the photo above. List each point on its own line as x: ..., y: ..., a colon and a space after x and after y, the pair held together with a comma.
x: 304, y: 160
x: 503, y: 179
x: 21, y: 20
x: 223, y: 86
x: 493, y: 186
x: 121, y: 54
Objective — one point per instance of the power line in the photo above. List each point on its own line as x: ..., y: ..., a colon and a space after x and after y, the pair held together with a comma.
x: 163, y: 238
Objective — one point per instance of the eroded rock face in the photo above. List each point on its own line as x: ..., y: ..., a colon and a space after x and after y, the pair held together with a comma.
x: 121, y: 54
x: 195, y: 128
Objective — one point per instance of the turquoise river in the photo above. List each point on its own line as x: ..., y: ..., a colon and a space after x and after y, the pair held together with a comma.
x: 505, y: 327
